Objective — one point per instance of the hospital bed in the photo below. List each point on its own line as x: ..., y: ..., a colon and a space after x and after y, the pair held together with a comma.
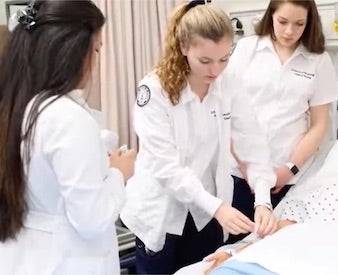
x: 305, y: 248
x: 126, y: 245
x: 293, y: 250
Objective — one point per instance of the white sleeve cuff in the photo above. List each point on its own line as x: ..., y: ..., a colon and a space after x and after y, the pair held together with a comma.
x: 262, y: 193
x: 115, y: 185
x: 207, y: 202
x: 118, y: 174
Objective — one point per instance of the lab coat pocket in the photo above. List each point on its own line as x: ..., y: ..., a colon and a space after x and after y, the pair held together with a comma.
x: 292, y: 135
x: 298, y: 89
x: 41, y: 252
x: 31, y: 253
x: 144, y: 196
x: 145, y: 212
x: 41, y: 243
x: 84, y: 266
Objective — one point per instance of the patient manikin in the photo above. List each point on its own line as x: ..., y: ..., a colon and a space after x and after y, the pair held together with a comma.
x: 314, y: 203
x: 310, y: 207
x: 318, y: 206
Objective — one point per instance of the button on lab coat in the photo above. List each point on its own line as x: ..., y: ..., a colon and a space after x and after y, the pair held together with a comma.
x: 73, y: 198
x: 165, y: 187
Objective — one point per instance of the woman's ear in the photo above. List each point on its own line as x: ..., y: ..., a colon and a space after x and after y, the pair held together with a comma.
x: 97, y: 41
x: 184, y: 49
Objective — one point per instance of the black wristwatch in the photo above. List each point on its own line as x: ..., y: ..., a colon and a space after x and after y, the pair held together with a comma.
x: 292, y: 167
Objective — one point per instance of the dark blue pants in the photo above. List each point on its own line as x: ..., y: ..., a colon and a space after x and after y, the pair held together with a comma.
x: 244, y: 200
x: 179, y: 251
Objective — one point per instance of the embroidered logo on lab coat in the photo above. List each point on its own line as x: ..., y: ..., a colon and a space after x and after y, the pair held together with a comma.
x: 226, y: 116
x: 303, y: 73
x: 143, y: 95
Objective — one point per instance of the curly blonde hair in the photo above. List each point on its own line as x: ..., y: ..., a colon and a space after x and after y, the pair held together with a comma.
x: 206, y: 21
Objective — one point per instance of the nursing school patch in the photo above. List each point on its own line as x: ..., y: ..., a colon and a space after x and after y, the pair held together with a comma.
x: 143, y: 95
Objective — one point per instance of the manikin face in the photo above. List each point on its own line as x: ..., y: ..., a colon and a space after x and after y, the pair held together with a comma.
x: 206, y: 58
x: 289, y: 22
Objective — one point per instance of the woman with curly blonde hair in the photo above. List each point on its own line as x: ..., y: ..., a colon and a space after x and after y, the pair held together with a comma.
x: 179, y: 201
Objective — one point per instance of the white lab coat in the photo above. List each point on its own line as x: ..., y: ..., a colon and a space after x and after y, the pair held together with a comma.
x: 164, y: 187
x: 73, y: 198
x: 282, y: 93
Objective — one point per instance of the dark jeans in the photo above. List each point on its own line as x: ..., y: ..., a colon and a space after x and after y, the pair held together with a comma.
x: 179, y: 251
x: 244, y: 200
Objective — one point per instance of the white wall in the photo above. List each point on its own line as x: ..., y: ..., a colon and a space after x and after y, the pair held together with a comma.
x: 227, y: 5
x: 241, y: 5
x: 244, y: 5
x: 328, y: 14
x: 2, y: 12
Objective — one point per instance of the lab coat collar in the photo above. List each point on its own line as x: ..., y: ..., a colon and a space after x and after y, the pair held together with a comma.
x: 214, y: 89
x: 78, y: 96
x: 187, y: 94
x: 266, y: 42
x: 301, y: 49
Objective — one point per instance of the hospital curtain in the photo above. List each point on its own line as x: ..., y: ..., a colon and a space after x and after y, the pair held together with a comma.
x: 132, y: 43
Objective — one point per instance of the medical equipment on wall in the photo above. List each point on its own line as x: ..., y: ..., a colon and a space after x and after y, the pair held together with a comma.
x: 328, y: 13
x: 335, y: 23
x: 11, y: 8
x: 238, y: 29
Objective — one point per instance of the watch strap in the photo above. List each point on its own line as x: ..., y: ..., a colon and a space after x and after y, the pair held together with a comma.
x: 292, y: 167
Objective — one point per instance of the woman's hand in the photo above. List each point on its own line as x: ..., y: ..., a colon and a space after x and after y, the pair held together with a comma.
x: 124, y: 162
x: 284, y: 175
x: 265, y: 221
x: 217, y: 258
x: 233, y: 221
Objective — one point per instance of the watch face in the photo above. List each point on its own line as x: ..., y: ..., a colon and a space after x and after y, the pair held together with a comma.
x: 294, y: 170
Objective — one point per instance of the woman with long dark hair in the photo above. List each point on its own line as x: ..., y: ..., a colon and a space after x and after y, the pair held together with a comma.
x: 59, y: 192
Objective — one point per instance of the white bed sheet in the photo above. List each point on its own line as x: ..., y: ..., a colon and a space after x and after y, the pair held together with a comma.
x: 305, y: 248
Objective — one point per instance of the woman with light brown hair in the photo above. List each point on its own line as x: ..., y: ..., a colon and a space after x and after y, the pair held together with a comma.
x: 179, y: 201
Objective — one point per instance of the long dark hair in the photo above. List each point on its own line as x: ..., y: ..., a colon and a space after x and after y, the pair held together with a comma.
x: 313, y: 37
x: 43, y: 60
